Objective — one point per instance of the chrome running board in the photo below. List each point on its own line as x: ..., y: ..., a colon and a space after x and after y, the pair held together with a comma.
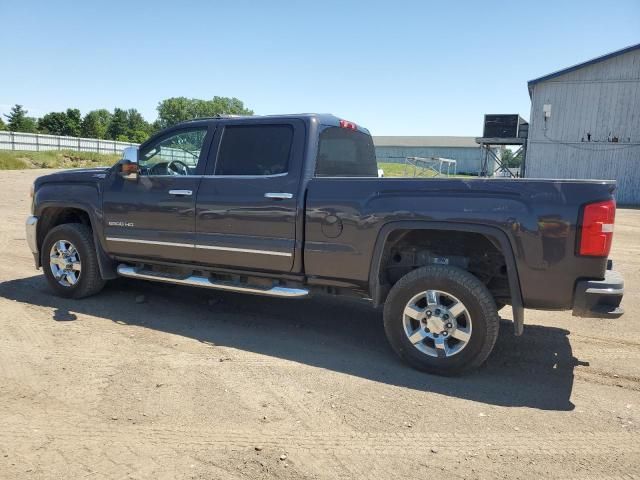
x: 197, y: 281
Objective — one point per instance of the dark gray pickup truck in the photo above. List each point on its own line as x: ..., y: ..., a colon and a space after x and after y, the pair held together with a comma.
x: 289, y: 205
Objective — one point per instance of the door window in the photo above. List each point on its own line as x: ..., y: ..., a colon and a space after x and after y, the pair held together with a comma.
x: 255, y: 150
x: 177, y: 154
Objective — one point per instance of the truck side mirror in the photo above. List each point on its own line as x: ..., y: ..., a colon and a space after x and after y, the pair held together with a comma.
x: 128, y: 166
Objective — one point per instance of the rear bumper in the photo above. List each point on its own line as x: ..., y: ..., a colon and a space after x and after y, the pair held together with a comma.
x: 32, y: 238
x: 599, y: 298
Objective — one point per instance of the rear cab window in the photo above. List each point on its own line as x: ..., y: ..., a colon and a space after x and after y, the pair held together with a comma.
x: 343, y: 152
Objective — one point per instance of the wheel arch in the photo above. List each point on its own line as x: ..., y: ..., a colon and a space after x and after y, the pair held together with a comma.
x: 497, y: 237
x: 52, y: 214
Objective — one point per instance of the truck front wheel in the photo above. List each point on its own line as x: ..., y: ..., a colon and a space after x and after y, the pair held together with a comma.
x: 69, y: 261
x: 441, y: 320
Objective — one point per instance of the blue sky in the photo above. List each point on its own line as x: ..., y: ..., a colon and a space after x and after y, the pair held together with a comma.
x: 396, y: 67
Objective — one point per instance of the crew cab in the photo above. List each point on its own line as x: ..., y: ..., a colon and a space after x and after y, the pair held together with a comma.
x: 292, y: 205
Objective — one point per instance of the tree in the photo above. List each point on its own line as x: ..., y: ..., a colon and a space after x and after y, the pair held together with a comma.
x: 178, y: 109
x: 128, y: 126
x: 138, y: 136
x: 95, y: 123
x: 61, y: 123
x: 119, y: 125
x: 29, y: 125
x: 138, y: 128
x: 3, y: 126
x: 19, y: 122
x: 74, y: 120
x: 53, y: 123
x: 510, y: 160
x: 174, y: 110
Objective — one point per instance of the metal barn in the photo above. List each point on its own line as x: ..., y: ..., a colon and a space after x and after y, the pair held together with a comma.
x: 585, y: 123
x: 464, y: 150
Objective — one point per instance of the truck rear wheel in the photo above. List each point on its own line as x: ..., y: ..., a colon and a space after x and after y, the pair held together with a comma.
x: 69, y: 261
x: 441, y: 320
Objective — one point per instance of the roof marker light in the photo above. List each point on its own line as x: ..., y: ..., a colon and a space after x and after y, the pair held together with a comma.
x: 348, y: 124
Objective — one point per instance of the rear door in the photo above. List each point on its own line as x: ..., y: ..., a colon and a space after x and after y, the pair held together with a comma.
x: 247, y: 204
x: 154, y: 217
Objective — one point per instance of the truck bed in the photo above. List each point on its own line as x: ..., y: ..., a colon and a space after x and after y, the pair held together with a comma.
x: 538, y: 218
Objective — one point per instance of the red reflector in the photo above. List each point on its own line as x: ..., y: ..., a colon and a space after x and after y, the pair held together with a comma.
x: 597, y: 228
x: 348, y: 124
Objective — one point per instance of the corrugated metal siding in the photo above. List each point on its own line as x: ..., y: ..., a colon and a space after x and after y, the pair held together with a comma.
x: 562, y: 161
x: 622, y: 67
x: 468, y: 159
x: 602, y: 99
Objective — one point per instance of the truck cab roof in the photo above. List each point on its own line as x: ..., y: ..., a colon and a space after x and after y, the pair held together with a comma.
x: 326, y: 119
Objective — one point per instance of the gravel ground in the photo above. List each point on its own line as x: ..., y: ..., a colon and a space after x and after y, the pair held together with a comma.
x: 156, y: 381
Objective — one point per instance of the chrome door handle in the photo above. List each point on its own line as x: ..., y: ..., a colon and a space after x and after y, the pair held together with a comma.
x: 278, y: 195
x: 183, y: 193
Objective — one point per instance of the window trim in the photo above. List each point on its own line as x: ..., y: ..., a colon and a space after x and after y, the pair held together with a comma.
x: 220, y: 138
x: 272, y: 175
x: 177, y: 130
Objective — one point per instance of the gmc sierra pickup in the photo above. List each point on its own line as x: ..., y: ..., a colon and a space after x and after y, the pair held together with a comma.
x: 289, y: 205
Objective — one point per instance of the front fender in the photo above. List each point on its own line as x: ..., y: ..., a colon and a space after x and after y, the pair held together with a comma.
x: 84, y: 197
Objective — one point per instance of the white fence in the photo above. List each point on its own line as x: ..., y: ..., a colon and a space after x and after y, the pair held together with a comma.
x: 187, y: 157
x: 37, y: 142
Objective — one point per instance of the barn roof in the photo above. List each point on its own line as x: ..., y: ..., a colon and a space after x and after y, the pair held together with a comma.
x: 417, y: 141
x: 544, y: 78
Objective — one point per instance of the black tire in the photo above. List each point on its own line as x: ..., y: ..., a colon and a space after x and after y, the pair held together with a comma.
x: 89, y: 281
x: 470, y: 291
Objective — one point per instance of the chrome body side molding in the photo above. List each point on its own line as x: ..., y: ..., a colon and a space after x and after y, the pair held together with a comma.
x: 149, y: 242
x: 244, y: 250
x: 198, y: 246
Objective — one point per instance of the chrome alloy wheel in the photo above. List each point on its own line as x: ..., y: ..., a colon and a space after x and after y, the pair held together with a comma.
x: 437, y: 323
x: 64, y: 261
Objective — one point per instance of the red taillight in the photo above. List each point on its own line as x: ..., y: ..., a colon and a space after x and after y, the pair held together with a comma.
x: 597, y: 228
x: 348, y: 124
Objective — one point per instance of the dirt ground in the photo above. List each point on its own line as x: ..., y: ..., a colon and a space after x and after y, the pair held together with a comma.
x: 197, y: 384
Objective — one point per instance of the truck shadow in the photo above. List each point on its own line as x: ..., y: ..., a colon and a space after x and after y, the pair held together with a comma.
x: 347, y: 336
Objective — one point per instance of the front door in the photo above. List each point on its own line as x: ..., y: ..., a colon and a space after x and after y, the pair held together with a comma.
x: 247, y: 204
x: 154, y: 217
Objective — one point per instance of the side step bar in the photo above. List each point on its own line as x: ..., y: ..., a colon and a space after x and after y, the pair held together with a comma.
x: 197, y: 281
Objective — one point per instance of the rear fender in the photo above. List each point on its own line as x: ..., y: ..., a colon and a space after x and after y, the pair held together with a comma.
x: 378, y: 292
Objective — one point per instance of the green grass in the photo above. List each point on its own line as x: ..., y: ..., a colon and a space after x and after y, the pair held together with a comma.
x: 398, y: 170
x: 395, y: 169
x: 20, y: 160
